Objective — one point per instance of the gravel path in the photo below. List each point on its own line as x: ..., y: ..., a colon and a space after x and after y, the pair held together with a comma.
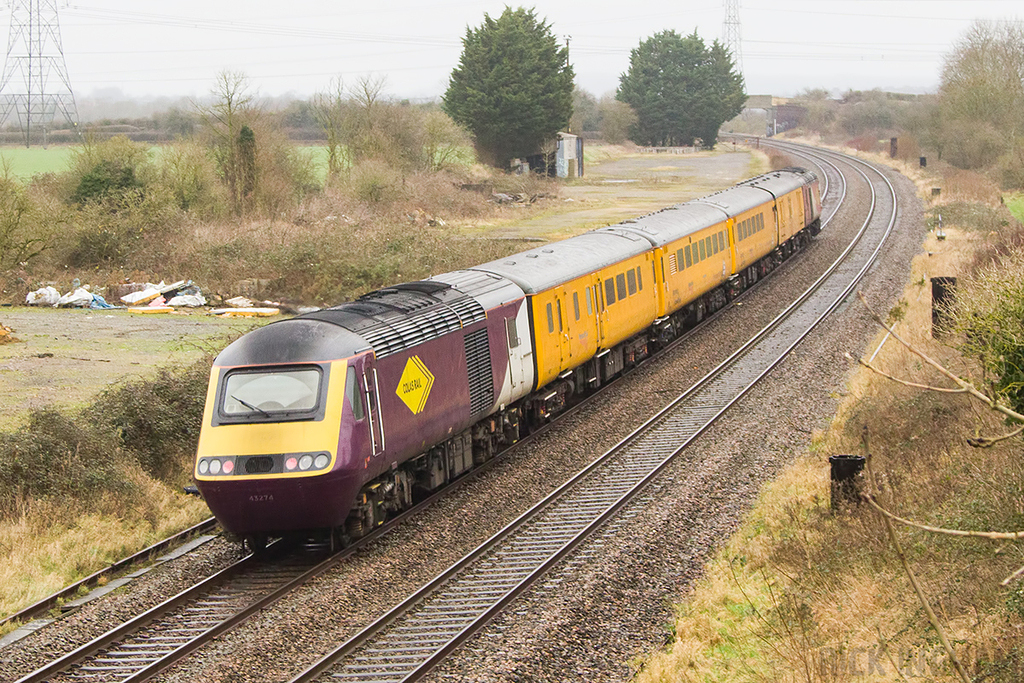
x: 588, y: 620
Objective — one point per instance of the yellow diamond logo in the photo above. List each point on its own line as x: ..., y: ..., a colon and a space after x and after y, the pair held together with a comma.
x: 414, y: 386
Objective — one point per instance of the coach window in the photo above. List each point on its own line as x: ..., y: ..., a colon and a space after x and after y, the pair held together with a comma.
x: 559, y: 302
x: 687, y: 252
x: 703, y: 253
x: 609, y: 292
x: 714, y: 244
x: 551, y: 321
x: 639, y: 277
x: 590, y: 304
x: 631, y: 279
x: 576, y: 304
x: 620, y: 285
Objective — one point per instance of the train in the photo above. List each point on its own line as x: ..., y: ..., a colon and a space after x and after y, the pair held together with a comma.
x: 329, y: 422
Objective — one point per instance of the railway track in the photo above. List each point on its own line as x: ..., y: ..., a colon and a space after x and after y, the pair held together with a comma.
x: 152, y: 642
x: 419, y: 633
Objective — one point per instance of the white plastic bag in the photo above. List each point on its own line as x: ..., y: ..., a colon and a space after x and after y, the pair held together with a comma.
x: 80, y: 298
x: 46, y: 296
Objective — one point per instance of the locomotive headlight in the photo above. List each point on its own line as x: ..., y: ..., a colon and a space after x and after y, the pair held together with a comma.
x: 321, y: 461
x: 215, y: 467
x: 290, y: 463
x: 204, y: 466
x: 305, y: 462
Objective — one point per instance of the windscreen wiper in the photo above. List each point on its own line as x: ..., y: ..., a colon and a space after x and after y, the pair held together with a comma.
x: 251, y: 406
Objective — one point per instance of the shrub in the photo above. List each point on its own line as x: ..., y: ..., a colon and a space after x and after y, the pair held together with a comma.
x: 57, y: 456
x: 156, y: 421
x: 374, y: 182
x: 988, y: 310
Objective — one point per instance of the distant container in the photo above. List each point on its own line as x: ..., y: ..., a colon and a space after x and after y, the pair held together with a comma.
x: 893, y: 147
x: 846, y: 479
x: 924, y: 162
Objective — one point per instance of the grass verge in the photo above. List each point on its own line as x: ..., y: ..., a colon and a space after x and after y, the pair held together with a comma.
x: 79, y: 489
x: 802, y: 594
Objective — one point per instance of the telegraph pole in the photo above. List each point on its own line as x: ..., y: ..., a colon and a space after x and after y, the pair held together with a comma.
x: 35, y: 83
x: 731, y: 32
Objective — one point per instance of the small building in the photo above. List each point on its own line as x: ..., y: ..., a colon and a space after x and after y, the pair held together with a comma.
x: 569, y: 156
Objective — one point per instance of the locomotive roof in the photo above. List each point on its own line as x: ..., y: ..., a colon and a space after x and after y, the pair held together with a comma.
x: 668, y: 225
x: 487, y: 288
x: 295, y: 340
x: 544, y: 267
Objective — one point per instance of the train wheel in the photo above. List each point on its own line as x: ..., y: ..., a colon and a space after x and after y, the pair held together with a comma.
x: 256, y: 543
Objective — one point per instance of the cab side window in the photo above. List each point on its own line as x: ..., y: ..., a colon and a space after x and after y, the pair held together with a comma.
x: 354, y: 396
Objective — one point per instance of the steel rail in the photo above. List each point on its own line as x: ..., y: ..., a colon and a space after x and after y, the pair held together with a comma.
x: 416, y: 635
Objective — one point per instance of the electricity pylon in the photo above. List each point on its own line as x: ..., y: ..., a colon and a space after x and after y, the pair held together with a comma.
x: 731, y: 32
x: 35, y: 83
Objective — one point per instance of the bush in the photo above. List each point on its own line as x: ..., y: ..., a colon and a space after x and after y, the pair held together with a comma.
x: 92, y: 459
x: 156, y: 421
x: 988, y: 311
x: 57, y: 456
x: 374, y: 182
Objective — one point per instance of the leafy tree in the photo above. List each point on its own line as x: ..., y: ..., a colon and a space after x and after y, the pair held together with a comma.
x: 681, y: 90
x: 513, y: 86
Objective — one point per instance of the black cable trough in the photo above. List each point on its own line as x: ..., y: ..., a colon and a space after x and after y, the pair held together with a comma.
x: 423, y: 630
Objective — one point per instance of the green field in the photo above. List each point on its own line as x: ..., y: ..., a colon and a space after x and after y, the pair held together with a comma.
x: 1015, y: 203
x: 27, y: 162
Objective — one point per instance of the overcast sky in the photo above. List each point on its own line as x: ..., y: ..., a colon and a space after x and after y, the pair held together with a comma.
x: 176, y: 47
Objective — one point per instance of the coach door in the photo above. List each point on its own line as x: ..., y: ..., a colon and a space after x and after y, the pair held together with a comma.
x: 602, y: 311
x: 371, y: 392
x: 562, y: 327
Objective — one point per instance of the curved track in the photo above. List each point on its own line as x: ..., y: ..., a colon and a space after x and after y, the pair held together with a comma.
x: 421, y: 632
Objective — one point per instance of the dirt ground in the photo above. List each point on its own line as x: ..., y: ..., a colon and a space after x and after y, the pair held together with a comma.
x: 630, y: 185
x: 66, y: 356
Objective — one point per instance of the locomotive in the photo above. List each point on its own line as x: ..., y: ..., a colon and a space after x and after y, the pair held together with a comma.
x: 329, y: 421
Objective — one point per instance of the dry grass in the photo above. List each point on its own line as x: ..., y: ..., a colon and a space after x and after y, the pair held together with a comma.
x: 798, y: 594
x: 49, y: 546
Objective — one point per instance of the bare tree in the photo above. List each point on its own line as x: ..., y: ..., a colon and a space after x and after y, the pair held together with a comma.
x: 982, y: 94
x: 329, y: 109
x: 234, y: 106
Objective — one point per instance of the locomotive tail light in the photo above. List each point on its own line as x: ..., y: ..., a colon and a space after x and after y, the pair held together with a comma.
x: 290, y: 463
x: 228, y: 467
